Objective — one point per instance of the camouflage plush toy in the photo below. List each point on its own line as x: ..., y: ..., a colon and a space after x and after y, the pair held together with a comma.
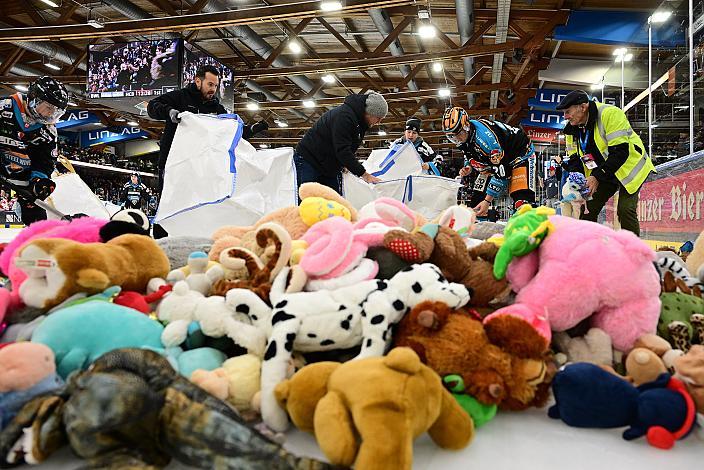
x: 524, y: 232
x: 681, y: 319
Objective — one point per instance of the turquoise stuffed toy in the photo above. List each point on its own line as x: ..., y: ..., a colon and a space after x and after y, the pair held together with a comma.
x: 80, y: 334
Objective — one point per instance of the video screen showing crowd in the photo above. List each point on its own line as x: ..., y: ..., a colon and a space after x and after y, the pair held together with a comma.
x: 193, y: 59
x: 147, y: 68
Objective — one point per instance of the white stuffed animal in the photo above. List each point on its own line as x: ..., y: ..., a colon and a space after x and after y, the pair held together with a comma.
x: 197, y: 274
x: 574, y: 194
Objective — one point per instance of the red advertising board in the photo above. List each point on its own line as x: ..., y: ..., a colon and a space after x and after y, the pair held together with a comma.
x: 541, y: 134
x: 671, y: 207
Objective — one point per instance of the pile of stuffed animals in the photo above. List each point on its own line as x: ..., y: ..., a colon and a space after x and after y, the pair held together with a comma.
x: 363, y: 327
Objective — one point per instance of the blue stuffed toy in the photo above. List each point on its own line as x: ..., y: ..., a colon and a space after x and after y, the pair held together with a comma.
x: 588, y: 396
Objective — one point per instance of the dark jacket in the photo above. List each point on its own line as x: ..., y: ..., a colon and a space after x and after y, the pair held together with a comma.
x: 24, y: 149
x: 330, y: 145
x: 606, y: 170
x: 185, y: 99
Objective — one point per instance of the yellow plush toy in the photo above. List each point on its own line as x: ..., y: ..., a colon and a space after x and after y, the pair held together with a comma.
x: 367, y: 412
x: 58, y: 268
x: 237, y: 381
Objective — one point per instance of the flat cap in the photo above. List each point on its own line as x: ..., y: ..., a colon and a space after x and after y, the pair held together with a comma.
x: 572, y: 98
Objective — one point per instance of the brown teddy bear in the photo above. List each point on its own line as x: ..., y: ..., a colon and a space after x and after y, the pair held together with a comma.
x: 454, y: 342
x: 367, y: 412
x: 446, y: 249
x: 291, y: 218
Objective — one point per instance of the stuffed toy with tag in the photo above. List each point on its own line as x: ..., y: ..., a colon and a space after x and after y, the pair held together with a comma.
x: 689, y: 368
x: 58, y: 268
x: 454, y: 342
x: 588, y: 396
x: 290, y: 218
x: 618, y: 287
x: 26, y: 370
x: 366, y: 413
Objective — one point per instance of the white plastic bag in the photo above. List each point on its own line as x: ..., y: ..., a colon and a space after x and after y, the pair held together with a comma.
x: 213, y: 177
x: 73, y: 196
x: 401, y: 172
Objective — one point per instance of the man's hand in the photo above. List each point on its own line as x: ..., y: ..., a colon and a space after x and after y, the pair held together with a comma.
x: 482, y: 208
x: 371, y: 178
x: 425, y: 166
x: 465, y: 171
x: 173, y: 115
x: 592, y: 185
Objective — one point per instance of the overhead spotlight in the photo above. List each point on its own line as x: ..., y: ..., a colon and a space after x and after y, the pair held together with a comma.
x: 444, y: 92
x: 657, y: 17
x: 132, y: 123
x: 437, y: 66
x: 253, y: 106
x: 119, y: 119
x: 50, y: 3
x: 426, y: 31
x: 309, y: 103
x: 626, y: 58
x: 620, y: 51
x: 52, y: 66
x: 328, y: 5
x: 382, y: 132
x: 281, y: 123
x: 294, y: 46
x: 263, y: 146
x: 97, y: 24
x: 328, y: 78
x: 21, y: 88
x: 71, y: 103
x: 97, y: 123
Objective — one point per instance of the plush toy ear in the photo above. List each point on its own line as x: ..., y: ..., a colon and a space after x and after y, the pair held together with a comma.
x: 92, y: 279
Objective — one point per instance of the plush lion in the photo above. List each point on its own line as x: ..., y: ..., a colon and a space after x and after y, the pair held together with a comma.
x: 58, y: 268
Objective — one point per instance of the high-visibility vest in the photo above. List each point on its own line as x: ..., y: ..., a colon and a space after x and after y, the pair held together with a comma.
x: 613, y: 128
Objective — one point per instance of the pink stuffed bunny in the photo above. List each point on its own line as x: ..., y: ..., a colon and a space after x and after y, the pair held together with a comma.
x: 586, y: 270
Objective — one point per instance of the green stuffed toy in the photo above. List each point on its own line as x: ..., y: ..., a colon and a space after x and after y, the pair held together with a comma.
x: 524, y: 232
x: 681, y: 319
x: 479, y: 412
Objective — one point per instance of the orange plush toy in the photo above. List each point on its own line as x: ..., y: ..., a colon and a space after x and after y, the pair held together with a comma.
x: 454, y: 342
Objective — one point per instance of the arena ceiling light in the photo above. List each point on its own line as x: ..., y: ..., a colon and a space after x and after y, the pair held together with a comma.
x: 444, y: 92
x: 437, y: 66
x: 95, y: 23
x: 253, y: 106
x: 52, y: 66
x: 50, y: 3
x: 71, y: 103
x: 328, y: 78
x: 294, y: 46
x: 132, y: 123
x: 328, y: 5
x: 21, y: 88
x: 119, y: 119
x: 280, y: 123
x: 426, y: 31
x: 263, y: 146
x: 309, y: 103
x: 657, y: 17
x: 381, y: 132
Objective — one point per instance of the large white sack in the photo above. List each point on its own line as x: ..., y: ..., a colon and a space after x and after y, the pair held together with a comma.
x: 213, y: 178
x: 402, y: 179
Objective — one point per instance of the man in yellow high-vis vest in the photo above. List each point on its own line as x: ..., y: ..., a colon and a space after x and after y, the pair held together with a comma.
x: 601, y: 144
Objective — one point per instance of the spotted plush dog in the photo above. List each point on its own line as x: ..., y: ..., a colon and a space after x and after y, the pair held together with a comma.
x: 362, y: 314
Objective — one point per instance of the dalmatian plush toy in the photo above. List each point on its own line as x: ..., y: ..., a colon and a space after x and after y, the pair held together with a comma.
x: 336, y: 319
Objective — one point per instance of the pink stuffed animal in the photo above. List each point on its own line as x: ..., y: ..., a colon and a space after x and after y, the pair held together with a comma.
x: 586, y: 270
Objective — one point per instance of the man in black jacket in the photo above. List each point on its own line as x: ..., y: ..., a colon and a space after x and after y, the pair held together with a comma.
x: 330, y: 145
x: 198, y: 98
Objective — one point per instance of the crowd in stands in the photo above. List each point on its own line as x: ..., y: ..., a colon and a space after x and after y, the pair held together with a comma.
x: 133, y: 66
x: 87, y: 155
